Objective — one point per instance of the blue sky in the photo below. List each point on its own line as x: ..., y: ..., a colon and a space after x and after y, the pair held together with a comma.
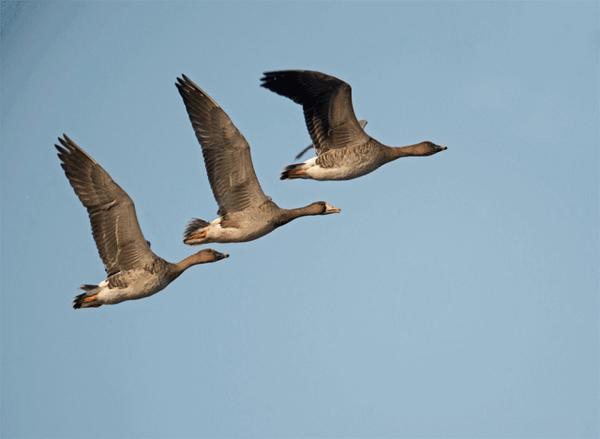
x: 455, y: 296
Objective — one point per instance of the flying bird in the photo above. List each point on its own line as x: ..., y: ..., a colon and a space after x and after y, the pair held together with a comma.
x: 133, y: 270
x: 344, y: 150
x: 245, y: 212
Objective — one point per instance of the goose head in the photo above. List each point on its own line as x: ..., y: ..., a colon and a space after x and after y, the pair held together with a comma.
x: 326, y: 208
x: 207, y: 255
x: 430, y: 148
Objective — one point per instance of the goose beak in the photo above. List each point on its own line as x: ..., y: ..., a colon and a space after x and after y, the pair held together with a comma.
x: 220, y: 256
x: 442, y: 147
x: 331, y: 209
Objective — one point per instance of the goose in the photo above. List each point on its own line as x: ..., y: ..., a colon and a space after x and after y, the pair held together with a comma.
x: 344, y: 150
x: 245, y: 212
x: 133, y: 270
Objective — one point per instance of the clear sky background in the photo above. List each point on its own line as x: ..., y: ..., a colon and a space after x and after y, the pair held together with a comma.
x: 456, y: 296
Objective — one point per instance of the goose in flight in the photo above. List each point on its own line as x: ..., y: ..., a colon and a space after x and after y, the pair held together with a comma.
x: 245, y: 212
x: 344, y: 150
x: 133, y: 270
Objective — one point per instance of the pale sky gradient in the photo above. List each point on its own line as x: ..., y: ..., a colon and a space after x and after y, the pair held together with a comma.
x: 456, y: 296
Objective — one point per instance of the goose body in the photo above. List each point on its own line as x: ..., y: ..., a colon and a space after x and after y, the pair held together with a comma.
x: 339, y: 164
x: 344, y: 150
x: 245, y: 212
x: 242, y: 226
x: 133, y: 284
x: 133, y: 270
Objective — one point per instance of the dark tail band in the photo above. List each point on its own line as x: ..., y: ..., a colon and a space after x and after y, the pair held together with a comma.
x: 193, y: 225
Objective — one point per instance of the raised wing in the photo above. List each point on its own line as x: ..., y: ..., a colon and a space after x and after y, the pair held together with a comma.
x: 327, y: 104
x: 226, y: 152
x: 115, y: 227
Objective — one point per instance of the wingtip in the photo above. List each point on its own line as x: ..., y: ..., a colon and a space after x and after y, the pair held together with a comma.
x: 275, y: 72
x: 66, y: 141
x: 60, y: 150
x: 184, y: 82
x: 268, y: 77
x: 63, y: 143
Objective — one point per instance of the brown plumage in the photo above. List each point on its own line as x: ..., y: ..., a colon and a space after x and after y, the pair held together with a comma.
x: 362, y: 123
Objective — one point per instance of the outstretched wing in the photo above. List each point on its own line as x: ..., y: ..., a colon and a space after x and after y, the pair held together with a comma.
x: 226, y: 152
x: 115, y: 227
x: 327, y: 104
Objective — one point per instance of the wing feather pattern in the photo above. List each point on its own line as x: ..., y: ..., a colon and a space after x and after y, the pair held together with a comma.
x: 226, y: 152
x: 115, y: 228
x: 327, y: 105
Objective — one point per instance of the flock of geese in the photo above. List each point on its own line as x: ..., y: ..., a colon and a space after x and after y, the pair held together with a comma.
x: 343, y: 151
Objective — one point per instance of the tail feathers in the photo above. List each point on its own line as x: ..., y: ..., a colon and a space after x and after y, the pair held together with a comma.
x: 88, y: 299
x: 293, y: 166
x: 88, y: 287
x: 295, y: 170
x: 193, y: 226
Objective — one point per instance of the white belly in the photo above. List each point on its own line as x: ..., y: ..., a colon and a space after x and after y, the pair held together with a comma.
x: 248, y: 231
x: 340, y: 173
x: 137, y: 289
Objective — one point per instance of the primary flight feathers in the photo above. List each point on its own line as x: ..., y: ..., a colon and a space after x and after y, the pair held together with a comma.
x: 226, y: 152
x: 327, y: 105
x: 121, y: 244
